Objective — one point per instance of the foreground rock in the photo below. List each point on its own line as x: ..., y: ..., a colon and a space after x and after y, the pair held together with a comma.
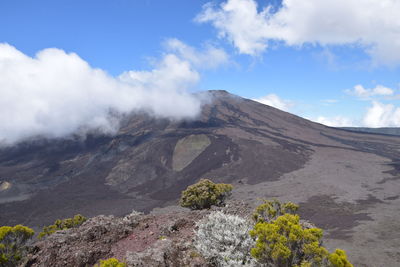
x: 137, y: 239
x: 84, y: 245
x: 164, y: 239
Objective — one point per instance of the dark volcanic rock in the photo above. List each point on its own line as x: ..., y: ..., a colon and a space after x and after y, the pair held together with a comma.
x: 137, y: 239
x: 84, y: 245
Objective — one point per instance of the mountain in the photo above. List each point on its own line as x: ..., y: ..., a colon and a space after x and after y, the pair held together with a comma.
x: 383, y: 130
x: 345, y: 182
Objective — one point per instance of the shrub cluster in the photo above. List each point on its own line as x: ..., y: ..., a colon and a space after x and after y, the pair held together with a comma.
x: 283, y: 240
x: 111, y: 262
x: 12, y: 244
x: 205, y: 194
x: 276, y: 238
x: 272, y: 209
x: 62, y: 225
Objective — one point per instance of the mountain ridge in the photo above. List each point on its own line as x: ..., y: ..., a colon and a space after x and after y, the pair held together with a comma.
x: 346, y: 182
x: 382, y: 130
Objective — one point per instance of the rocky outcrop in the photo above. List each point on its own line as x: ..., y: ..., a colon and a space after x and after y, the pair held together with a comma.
x: 84, y: 245
x: 158, y: 239
x: 166, y: 253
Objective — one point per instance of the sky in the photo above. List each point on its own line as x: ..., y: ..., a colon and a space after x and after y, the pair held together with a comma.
x: 64, y: 65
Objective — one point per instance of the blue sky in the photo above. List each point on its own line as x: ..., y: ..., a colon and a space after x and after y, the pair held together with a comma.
x: 306, y: 57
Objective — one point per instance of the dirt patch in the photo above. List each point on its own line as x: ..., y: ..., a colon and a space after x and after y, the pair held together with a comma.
x: 153, y: 228
x: 187, y: 149
x: 338, y: 218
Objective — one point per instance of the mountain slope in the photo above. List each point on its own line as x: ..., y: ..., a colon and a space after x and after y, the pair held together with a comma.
x: 346, y: 182
x: 384, y: 130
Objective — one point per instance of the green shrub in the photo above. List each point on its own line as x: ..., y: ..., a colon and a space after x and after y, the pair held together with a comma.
x: 12, y: 244
x: 111, y: 262
x: 62, y: 225
x: 339, y: 259
x: 283, y: 240
x: 205, y: 194
x: 272, y: 209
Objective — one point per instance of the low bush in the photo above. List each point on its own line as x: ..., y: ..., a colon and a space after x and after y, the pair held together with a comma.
x: 111, y: 262
x: 205, y: 194
x: 339, y: 259
x: 272, y: 209
x: 224, y: 240
x: 12, y: 244
x: 282, y: 240
x: 62, y: 225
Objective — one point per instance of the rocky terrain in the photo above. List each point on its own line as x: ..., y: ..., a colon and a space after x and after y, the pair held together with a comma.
x: 137, y: 239
x: 345, y: 182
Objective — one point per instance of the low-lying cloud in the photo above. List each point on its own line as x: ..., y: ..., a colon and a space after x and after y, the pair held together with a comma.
x: 372, y: 25
x: 382, y: 115
x: 378, y: 114
x: 337, y: 121
x: 55, y: 94
x: 365, y: 93
x: 275, y: 101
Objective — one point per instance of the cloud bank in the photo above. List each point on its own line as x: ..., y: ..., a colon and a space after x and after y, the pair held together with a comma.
x: 364, y: 93
x: 337, y: 121
x: 382, y: 115
x: 56, y: 94
x: 378, y: 114
x: 210, y: 58
x: 372, y: 25
x: 275, y: 101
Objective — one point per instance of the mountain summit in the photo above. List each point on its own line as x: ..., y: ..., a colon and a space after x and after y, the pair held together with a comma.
x: 344, y: 181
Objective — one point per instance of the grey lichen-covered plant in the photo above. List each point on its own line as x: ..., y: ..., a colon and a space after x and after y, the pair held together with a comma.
x: 224, y: 240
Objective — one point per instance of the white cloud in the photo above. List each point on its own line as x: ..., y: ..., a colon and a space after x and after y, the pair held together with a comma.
x: 362, y: 92
x: 55, y: 93
x: 275, y: 101
x: 211, y: 57
x: 377, y: 115
x: 382, y: 115
x: 371, y: 24
x: 337, y: 121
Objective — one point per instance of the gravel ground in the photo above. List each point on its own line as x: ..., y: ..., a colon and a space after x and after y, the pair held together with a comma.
x: 348, y: 199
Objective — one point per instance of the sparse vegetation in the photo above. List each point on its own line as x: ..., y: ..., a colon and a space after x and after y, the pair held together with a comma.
x: 272, y: 209
x: 12, y: 244
x: 276, y: 238
x: 111, y: 262
x: 205, y: 194
x: 339, y: 259
x: 283, y: 240
x: 224, y: 240
x: 62, y: 225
